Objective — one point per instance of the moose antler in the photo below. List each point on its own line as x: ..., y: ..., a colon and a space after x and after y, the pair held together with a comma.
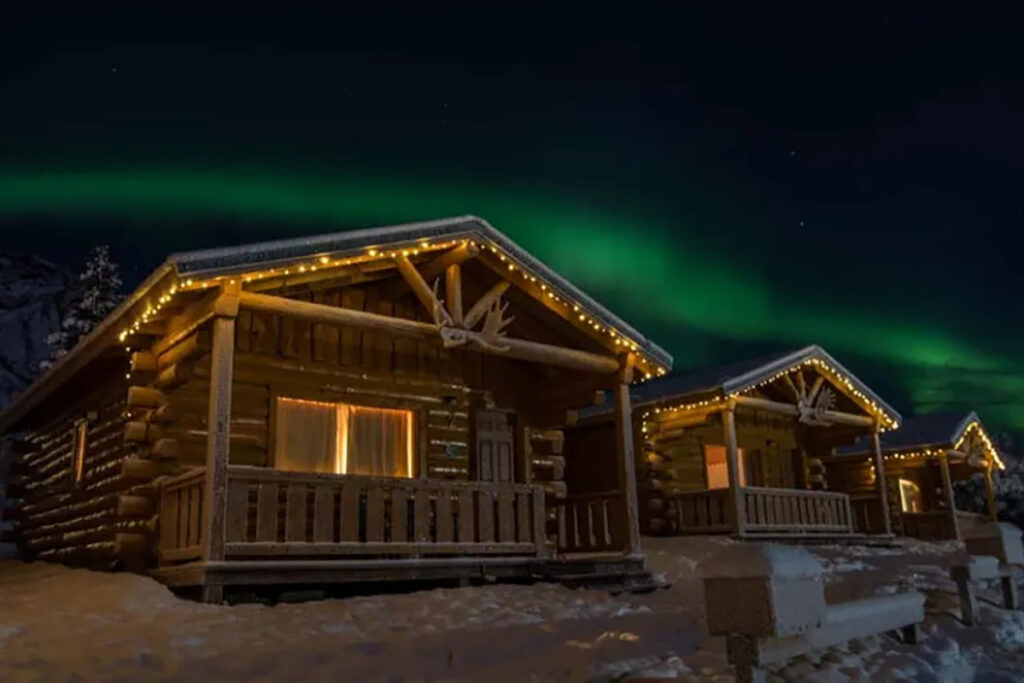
x: 492, y: 333
x: 441, y: 316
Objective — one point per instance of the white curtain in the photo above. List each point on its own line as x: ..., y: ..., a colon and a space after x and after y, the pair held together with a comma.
x: 378, y: 441
x: 307, y: 436
x: 315, y: 436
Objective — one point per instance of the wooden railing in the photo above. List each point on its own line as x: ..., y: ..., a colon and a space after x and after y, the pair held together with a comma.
x: 592, y: 522
x: 796, y: 510
x: 181, y: 517
x: 272, y: 513
x: 929, y: 526
x: 700, y: 512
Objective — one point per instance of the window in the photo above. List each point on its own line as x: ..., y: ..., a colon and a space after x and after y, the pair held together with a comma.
x: 910, y: 496
x: 716, y: 466
x: 315, y: 436
x: 78, y: 438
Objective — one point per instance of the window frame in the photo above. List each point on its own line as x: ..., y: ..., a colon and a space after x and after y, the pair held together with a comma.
x: 740, y: 462
x: 416, y: 465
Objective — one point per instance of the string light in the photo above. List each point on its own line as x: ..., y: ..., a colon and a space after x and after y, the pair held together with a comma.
x: 990, y: 449
x: 648, y: 367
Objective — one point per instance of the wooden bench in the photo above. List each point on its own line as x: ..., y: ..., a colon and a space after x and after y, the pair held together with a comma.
x: 768, y: 600
x: 982, y: 568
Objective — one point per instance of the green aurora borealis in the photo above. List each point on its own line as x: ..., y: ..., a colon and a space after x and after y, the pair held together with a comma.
x: 699, y: 302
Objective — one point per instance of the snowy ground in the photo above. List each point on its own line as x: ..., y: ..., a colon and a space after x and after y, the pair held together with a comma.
x: 58, y: 624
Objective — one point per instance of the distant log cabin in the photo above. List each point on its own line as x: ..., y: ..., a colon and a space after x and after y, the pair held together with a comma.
x: 384, y: 404
x: 741, y: 449
x: 922, y: 460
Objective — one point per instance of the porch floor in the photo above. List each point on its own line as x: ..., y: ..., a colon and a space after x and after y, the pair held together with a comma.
x: 573, y: 569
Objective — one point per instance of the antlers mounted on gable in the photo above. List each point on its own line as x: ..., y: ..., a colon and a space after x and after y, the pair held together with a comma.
x: 495, y: 322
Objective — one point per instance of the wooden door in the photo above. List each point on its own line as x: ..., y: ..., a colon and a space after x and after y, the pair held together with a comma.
x: 495, y: 446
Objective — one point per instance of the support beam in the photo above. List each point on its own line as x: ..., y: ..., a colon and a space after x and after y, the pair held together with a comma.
x: 218, y: 438
x: 732, y: 458
x: 789, y: 409
x: 520, y: 349
x: 479, y: 309
x: 947, y: 495
x: 880, y: 487
x: 453, y: 292
x: 624, y: 447
x: 434, y: 268
x: 990, y: 495
x: 420, y: 288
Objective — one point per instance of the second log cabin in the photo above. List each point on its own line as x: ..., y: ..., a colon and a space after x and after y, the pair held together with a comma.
x: 383, y: 404
x: 742, y: 449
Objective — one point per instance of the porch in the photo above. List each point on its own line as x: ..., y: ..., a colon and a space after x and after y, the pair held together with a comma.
x: 761, y: 512
x: 293, y: 527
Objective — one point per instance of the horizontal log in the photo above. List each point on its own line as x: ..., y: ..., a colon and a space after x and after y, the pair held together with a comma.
x: 192, y: 346
x: 137, y: 468
x: 165, y: 448
x: 143, y: 361
x: 141, y: 432
x: 145, y: 397
x: 515, y: 348
x: 164, y: 414
x: 790, y: 409
x: 133, y: 506
x: 131, y: 544
x: 173, y: 376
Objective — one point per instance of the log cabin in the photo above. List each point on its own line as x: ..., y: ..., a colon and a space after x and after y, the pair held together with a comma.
x: 377, y: 405
x: 741, y: 449
x: 922, y: 459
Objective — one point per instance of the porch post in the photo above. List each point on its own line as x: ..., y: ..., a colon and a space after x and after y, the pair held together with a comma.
x: 947, y: 495
x: 219, y: 431
x: 883, y: 495
x: 732, y: 458
x: 625, y: 449
x: 990, y: 494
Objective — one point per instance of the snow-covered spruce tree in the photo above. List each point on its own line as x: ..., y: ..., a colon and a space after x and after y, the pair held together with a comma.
x: 96, y: 294
x: 1007, y: 484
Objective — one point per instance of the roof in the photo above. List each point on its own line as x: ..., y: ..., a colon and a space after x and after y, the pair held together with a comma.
x: 210, y: 264
x: 725, y: 380
x: 921, y: 431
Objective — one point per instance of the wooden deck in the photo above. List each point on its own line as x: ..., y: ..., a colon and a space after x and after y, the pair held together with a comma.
x: 272, y: 514
x: 300, y: 528
x: 768, y: 512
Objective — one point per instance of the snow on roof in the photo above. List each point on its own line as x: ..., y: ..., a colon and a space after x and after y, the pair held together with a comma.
x: 934, y: 430
x: 224, y: 262
x: 733, y: 378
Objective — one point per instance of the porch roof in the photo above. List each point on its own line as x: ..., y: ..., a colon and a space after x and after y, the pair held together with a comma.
x: 734, y: 378
x: 944, y: 430
x: 208, y: 266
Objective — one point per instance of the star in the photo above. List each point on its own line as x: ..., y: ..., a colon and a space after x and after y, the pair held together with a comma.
x: 792, y: 152
x: 113, y: 69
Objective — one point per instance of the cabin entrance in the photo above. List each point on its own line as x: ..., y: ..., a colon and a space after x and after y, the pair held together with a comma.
x: 495, y: 445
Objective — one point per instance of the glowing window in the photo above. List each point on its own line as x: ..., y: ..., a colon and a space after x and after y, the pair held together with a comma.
x: 716, y: 467
x: 315, y: 436
x: 910, y: 496
x: 78, y: 441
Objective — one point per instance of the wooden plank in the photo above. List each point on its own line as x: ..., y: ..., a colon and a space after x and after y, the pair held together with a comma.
x: 539, y: 520
x: 524, y: 532
x: 506, y: 516
x: 350, y: 341
x: 195, y: 533
x: 444, y: 516
x: 295, y: 513
x: 350, y: 492
x: 332, y: 334
x: 184, y: 509
x: 467, y: 517
x: 600, y: 510
x: 399, y: 515
x: 421, y: 516
x: 323, y: 514
x: 237, y: 520
x: 266, y: 512
x: 375, y: 514
x: 485, y: 516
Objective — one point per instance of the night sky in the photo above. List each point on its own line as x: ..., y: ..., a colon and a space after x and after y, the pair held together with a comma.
x: 731, y: 184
